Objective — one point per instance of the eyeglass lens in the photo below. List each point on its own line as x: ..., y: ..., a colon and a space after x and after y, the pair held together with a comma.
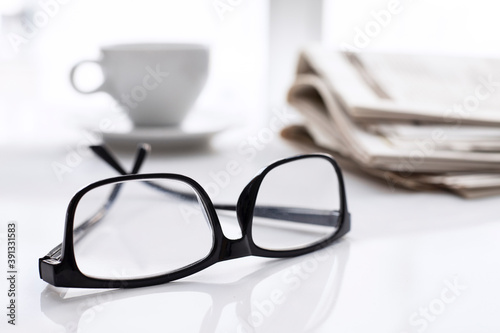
x: 133, y: 230
x: 302, y: 197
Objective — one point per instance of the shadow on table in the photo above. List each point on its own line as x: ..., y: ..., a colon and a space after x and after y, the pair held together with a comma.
x: 285, y: 295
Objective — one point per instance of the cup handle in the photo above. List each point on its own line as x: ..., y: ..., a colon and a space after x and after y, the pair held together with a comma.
x: 72, y: 78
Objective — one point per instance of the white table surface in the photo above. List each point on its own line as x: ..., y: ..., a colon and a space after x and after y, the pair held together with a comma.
x: 403, y: 255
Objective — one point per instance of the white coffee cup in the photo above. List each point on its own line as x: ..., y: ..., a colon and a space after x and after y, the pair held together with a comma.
x: 157, y: 84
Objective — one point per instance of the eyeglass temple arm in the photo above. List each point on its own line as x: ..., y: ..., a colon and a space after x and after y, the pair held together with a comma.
x: 106, y: 155
x: 302, y: 215
x: 322, y: 217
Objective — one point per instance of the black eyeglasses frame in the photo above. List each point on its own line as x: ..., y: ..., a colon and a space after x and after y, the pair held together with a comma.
x: 62, y: 270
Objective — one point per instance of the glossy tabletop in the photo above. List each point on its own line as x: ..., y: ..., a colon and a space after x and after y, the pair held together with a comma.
x: 413, y: 262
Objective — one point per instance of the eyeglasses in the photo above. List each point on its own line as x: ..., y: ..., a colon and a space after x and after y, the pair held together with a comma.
x: 139, y: 230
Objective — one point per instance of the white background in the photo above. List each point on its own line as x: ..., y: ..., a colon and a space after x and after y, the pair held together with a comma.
x: 404, y: 248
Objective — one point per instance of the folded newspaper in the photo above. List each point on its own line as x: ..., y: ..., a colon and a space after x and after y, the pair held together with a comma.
x: 417, y: 121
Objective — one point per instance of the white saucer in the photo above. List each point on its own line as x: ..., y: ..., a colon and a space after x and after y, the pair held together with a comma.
x: 163, y: 137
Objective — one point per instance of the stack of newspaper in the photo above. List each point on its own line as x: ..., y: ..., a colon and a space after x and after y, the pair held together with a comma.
x: 417, y: 121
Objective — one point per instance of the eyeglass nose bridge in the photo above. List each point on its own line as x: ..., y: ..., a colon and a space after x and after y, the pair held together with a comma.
x: 241, y: 247
x: 235, y: 248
